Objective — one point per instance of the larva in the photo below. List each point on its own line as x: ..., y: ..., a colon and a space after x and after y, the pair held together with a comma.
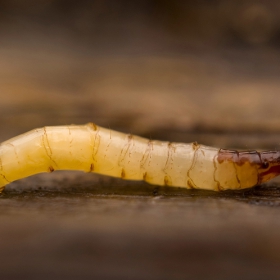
x: 91, y: 148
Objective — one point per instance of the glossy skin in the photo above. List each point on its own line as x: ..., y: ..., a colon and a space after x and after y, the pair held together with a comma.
x: 91, y: 148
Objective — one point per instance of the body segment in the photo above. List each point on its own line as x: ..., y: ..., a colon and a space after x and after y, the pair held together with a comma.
x: 91, y: 148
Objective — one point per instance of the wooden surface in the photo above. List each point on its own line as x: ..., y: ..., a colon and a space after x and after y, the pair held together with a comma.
x: 69, y: 225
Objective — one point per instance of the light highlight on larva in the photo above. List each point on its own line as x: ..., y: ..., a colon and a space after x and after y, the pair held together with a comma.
x: 91, y: 148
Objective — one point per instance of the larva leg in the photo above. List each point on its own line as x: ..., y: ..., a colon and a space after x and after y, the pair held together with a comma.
x: 91, y: 148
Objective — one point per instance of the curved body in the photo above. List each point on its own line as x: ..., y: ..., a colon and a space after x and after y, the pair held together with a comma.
x: 91, y: 148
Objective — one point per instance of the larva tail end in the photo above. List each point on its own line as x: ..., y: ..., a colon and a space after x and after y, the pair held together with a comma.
x: 2, y: 189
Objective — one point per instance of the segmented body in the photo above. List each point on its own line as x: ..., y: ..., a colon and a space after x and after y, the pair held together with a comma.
x: 91, y: 148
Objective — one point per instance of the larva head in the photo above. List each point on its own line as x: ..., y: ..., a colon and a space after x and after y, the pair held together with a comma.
x: 270, y: 165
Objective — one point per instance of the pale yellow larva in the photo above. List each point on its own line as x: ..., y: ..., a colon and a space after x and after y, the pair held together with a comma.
x: 91, y: 148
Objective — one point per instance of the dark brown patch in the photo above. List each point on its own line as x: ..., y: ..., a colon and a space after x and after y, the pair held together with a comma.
x: 195, y: 146
x: 92, y: 125
x: 91, y: 168
x: 51, y: 169
x: 227, y: 155
x: 123, y: 174
x: 251, y: 157
x: 145, y: 176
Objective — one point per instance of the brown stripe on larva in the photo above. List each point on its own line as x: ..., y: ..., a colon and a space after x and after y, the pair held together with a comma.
x: 167, y: 181
x: 147, y: 154
x: 125, y: 150
x: 1, y: 174
x: 190, y: 184
x: 239, y: 158
x: 145, y: 176
x: 96, y: 144
x: 46, y: 145
x: 169, y: 160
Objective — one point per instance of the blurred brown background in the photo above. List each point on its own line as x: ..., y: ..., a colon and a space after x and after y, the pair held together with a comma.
x: 164, y: 69
x: 205, y: 71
